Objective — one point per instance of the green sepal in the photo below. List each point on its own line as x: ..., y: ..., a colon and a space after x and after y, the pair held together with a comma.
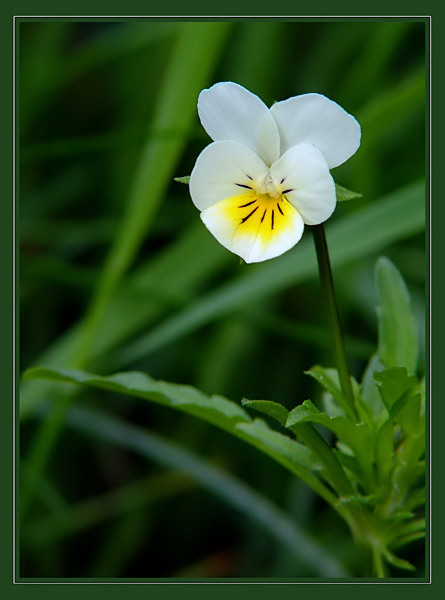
x: 267, y: 407
x: 185, y: 179
x: 344, y: 194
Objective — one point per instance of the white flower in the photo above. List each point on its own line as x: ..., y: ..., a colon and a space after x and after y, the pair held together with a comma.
x: 266, y: 174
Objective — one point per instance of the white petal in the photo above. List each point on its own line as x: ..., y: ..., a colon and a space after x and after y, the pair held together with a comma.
x: 254, y: 232
x: 314, y: 119
x: 230, y: 112
x: 218, y: 170
x: 304, y: 178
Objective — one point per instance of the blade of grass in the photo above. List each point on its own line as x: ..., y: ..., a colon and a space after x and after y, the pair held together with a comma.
x: 121, y: 545
x: 197, y: 49
x: 70, y: 520
x: 383, y: 222
x: 225, y: 486
x: 364, y: 232
x: 169, y: 280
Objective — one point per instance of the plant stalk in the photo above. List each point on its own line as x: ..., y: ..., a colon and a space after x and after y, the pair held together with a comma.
x: 327, y: 285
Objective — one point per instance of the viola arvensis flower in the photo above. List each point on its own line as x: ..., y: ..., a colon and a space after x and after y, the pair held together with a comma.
x: 266, y: 174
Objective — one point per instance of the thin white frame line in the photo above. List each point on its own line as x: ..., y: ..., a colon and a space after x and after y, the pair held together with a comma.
x: 271, y: 18
x: 430, y: 254
x: 13, y: 311
x: 429, y: 17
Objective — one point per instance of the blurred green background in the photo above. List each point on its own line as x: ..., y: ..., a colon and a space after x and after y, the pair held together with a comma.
x: 117, y: 272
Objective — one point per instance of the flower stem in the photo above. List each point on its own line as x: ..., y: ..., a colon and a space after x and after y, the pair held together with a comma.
x: 327, y: 284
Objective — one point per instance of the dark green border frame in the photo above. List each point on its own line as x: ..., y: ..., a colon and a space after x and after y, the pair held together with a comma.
x: 435, y: 213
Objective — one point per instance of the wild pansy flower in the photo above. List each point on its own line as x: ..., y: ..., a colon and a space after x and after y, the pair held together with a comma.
x: 266, y: 174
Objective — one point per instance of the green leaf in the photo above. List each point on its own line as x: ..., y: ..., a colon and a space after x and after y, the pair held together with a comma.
x: 185, y: 179
x: 369, y: 389
x: 393, y: 383
x: 344, y: 194
x: 326, y: 378
x: 355, y: 436
x: 329, y: 379
x: 398, y: 343
x: 384, y: 451
x: 271, y: 409
x: 402, y: 395
x: 225, y: 486
x: 400, y: 563
x: 215, y: 409
x: 284, y: 449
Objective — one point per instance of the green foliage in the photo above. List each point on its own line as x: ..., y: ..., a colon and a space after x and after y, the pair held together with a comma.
x: 372, y: 478
x: 398, y: 345
x: 271, y: 409
x: 215, y: 409
x: 118, y: 272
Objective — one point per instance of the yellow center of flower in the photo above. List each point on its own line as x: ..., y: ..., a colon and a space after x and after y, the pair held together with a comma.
x: 259, y: 213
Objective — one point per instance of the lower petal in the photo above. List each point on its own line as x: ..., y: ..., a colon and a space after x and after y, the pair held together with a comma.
x: 254, y: 227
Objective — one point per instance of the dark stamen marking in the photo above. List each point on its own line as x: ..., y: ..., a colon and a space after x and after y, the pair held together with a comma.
x: 286, y: 191
x: 264, y: 214
x: 283, y: 180
x: 244, y: 186
x: 249, y: 215
x: 248, y: 204
x: 251, y: 178
x: 272, y: 217
x: 279, y: 208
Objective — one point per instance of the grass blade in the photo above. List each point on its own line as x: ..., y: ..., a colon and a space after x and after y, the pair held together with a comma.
x: 225, y: 486
x: 359, y: 234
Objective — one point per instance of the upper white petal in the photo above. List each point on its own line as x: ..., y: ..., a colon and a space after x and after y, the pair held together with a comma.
x: 314, y: 119
x: 218, y: 170
x: 230, y: 112
x: 303, y: 170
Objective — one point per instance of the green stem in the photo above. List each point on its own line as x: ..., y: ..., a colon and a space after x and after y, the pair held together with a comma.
x: 327, y: 284
x: 378, y: 564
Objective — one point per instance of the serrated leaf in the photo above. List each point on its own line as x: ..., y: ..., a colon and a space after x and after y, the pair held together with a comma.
x: 267, y: 407
x: 283, y: 446
x: 343, y: 194
x: 185, y: 179
x: 398, y: 343
x: 215, y: 409
x: 356, y: 436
